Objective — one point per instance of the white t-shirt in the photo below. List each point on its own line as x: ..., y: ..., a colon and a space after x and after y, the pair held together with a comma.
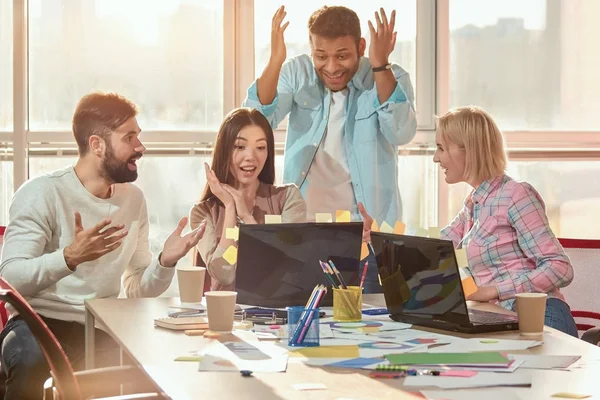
x: 329, y: 185
x: 42, y: 225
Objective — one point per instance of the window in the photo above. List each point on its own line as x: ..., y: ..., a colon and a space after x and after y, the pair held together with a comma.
x: 296, y: 34
x: 6, y: 188
x: 417, y: 182
x: 155, y: 53
x: 567, y: 188
x: 6, y: 66
x: 533, y: 65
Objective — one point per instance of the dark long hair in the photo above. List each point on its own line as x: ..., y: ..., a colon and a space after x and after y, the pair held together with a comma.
x: 229, y: 130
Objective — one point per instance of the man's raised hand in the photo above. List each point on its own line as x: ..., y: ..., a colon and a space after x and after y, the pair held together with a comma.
x: 91, y: 244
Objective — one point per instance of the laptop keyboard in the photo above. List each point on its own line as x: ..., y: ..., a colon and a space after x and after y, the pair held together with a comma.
x: 489, y: 318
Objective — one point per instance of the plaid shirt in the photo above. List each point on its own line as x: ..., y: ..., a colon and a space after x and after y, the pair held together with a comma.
x: 509, y: 243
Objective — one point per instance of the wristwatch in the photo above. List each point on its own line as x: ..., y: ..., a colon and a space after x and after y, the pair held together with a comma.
x: 382, y: 68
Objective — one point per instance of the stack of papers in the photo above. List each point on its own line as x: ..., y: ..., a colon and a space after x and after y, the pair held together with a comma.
x: 482, y: 379
x: 484, y: 359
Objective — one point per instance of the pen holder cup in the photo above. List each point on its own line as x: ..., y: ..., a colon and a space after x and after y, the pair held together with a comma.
x: 303, y: 326
x: 347, y: 304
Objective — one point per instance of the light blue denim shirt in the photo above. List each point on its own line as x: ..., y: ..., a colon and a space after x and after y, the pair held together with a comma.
x: 373, y: 131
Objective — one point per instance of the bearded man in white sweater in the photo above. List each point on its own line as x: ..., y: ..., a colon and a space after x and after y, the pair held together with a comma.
x: 77, y: 234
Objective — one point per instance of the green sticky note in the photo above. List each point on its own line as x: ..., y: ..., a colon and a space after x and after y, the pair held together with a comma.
x: 487, y: 341
x: 447, y: 358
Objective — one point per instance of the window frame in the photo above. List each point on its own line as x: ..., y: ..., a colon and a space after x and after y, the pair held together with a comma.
x: 432, y: 85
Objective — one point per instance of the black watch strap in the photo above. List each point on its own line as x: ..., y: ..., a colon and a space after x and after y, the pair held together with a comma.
x: 382, y: 68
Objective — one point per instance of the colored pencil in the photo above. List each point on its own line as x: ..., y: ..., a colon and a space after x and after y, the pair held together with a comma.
x: 325, y: 269
x: 339, y: 276
x: 309, y: 306
x: 364, y: 274
x: 309, y: 318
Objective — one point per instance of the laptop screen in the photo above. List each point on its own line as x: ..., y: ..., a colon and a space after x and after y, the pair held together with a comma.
x: 278, y: 264
x: 420, y: 277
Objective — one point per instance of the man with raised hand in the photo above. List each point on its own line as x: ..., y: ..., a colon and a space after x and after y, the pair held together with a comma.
x: 347, y: 115
x: 77, y: 234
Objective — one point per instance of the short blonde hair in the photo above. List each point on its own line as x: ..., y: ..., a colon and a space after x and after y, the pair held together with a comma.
x: 474, y: 131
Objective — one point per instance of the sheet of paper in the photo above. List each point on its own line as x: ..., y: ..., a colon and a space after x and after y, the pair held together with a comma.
x: 343, y: 216
x: 480, y: 344
x: 272, y: 219
x: 482, y: 379
x: 513, y: 366
x: 469, y: 286
x: 232, y: 233
x: 309, y: 386
x: 472, y: 394
x: 434, y: 232
x: 461, y: 258
x: 230, y: 255
x: 493, y: 358
x: 386, y: 228
x: 415, y: 336
x: 531, y: 361
x: 367, y: 326
x: 356, y: 363
x: 241, y: 355
x: 399, y: 228
x: 327, y: 352
x: 281, y: 331
x: 381, y: 349
x: 323, y: 217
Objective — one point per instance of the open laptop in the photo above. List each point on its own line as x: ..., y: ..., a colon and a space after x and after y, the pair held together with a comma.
x: 278, y: 264
x: 422, y: 285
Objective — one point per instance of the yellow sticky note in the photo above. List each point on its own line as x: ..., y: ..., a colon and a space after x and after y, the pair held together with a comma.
x: 374, y: 226
x: 232, y: 233
x: 364, y: 251
x: 566, y: 395
x: 461, y: 258
x: 350, y: 351
x: 386, y: 228
x: 272, y: 219
x: 342, y: 216
x: 434, y: 232
x: 422, y: 232
x: 469, y: 286
x: 189, y: 358
x: 323, y: 217
x: 230, y: 255
x: 399, y: 228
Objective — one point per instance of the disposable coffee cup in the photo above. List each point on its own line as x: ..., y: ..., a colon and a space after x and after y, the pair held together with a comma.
x: 531, y: 310
x: 191, y: 283
x: 220, y: 306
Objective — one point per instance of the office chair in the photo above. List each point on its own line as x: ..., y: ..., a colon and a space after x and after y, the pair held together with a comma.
x: 66, y: 384
x: 585, y: 258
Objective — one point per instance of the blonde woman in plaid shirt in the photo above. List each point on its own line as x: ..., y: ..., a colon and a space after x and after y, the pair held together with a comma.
x: 503, y: 223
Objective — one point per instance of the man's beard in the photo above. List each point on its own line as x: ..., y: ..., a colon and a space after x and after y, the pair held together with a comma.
x: 115, y: 170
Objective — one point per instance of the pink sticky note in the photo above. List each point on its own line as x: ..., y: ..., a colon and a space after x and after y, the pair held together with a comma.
x: 461, y: 374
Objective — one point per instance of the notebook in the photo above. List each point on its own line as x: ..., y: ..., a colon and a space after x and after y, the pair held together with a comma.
x: 181, y: 324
